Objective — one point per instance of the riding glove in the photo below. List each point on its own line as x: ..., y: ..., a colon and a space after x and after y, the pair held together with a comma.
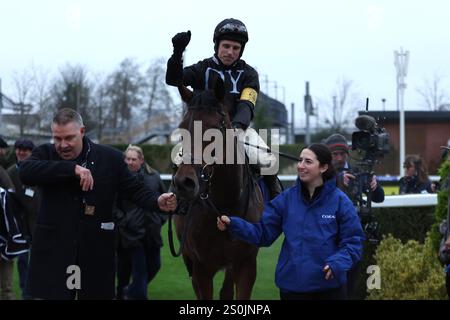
x: 174, y: 72
x: 243, y: 115
x: 180, y: 42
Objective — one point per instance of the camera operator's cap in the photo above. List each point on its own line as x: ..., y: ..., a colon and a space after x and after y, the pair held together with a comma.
x: 3, y: 144
x: 337, y: 142
x: 24, y: 144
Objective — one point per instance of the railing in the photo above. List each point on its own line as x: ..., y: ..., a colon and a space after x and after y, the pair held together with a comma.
x: 407, y: 200
x: 388, y: 179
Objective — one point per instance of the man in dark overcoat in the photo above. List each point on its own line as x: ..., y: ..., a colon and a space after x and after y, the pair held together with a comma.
x: 73, y: 250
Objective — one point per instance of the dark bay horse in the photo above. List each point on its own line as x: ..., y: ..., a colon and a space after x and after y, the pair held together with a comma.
x: 212, y: 189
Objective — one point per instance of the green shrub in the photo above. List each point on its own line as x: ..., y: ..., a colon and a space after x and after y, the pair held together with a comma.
x: 441, y: 208
x: 409, y: 271
x: 405, y: 223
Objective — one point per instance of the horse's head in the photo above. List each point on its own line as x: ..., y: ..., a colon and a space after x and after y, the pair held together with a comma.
x: 206, y: 113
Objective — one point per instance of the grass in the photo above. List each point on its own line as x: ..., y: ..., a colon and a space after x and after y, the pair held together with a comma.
x: 391, y: 190
x: 173, y: 283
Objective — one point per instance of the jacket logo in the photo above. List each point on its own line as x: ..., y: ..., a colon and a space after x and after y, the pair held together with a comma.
x: 328, y: 216
x: 233, y: 80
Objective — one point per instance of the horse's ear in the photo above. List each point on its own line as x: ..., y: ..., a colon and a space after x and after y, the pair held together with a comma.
x: 185, y: 93
x: 219, y: 89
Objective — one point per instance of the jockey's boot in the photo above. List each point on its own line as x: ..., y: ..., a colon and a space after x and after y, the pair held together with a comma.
x: 273, y: 185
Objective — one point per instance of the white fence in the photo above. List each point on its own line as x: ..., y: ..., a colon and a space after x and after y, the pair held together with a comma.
x: 407, y: 200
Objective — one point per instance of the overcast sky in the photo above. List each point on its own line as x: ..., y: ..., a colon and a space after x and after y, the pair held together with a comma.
x: 290, y: 41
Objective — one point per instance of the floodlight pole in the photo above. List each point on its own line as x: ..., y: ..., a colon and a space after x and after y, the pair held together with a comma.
x: 401, y: 60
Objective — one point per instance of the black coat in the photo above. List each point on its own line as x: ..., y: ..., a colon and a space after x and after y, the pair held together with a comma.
x: 356, y: 186
x: 201, y: 76
x: 411, y: 184
x: 138, y: 226
x: 28, y: 199
x: 64, y: 235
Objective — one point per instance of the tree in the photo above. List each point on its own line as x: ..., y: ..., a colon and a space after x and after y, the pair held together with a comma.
x: 23, y: 84
x: 73, y: 90
x: 343, y: 106
x: 124, y: 88
x: 433, y: 94
x: 100, y: 105
x: 41, y: 95
x: 157, y: 95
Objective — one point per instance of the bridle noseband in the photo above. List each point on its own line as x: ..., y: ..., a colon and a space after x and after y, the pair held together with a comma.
x: 203, y: 176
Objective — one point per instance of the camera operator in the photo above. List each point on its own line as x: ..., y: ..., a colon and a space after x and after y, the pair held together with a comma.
x: 348, y: 182
x: 340, y: 153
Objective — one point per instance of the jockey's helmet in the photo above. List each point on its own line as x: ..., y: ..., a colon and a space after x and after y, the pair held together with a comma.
x: 230, y: 29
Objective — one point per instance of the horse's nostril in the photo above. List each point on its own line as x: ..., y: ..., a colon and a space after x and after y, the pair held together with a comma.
x: 189, y: 184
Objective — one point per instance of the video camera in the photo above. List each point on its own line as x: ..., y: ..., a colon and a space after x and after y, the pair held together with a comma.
x: 371, y: 139
x: 372, y: 142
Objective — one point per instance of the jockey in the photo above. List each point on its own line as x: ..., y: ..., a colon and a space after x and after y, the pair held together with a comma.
x: 240, y: 79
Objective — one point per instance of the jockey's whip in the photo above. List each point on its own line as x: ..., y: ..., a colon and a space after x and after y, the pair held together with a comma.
x: 281, y: 154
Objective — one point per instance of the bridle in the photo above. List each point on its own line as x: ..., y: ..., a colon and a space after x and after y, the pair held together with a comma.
x: 204, y: 177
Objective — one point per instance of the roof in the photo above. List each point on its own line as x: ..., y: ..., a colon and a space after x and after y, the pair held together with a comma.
x: 276, y: 110
x: 384, y: 117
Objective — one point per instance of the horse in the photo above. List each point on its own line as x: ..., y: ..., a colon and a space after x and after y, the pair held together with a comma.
x: 212, y: 189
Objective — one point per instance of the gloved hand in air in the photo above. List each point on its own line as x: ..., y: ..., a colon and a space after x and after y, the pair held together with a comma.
x: 180, y: 42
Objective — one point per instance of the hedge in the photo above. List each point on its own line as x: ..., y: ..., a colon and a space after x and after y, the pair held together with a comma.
x: 407, y: 223
x: 409, y: 269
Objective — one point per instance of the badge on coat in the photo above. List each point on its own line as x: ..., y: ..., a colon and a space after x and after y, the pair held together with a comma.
x: 29, y: 192
x: 107, y: 226
x: 89, y: 210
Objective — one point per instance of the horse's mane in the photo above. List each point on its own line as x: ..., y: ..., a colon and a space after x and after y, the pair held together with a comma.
x: 205, y: 101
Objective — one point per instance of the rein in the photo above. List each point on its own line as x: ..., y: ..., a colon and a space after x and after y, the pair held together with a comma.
x: 205, y: 179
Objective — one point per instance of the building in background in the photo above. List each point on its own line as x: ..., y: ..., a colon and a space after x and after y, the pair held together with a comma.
x: 425, y: 132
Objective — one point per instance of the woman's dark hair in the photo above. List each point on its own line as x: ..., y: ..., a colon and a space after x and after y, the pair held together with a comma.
x: 323, y: 155
x: 415, y: 161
